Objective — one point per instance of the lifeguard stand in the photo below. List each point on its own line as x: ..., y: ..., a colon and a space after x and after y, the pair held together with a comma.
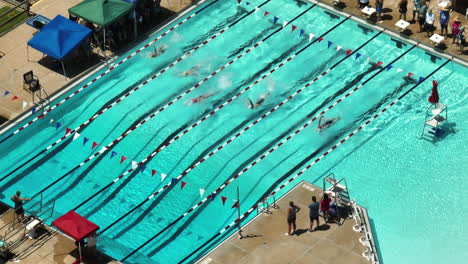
x: 31, y: 85
x: 339, y: 190
x: 436, y: 114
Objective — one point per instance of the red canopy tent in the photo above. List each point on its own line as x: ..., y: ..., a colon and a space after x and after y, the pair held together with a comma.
x: 75, y: 226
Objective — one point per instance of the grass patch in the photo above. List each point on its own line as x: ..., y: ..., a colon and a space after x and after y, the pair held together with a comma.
x: 13, y: 22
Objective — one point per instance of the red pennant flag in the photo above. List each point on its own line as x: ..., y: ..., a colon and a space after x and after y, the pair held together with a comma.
x: 94, y: 145
x: 266, y: 13
x: 348, y: 51
x: 122, y: 159
x: 238, y: 1
x: 14, y: 98
x: 67, y: 130
x: 223, y: 199
x: 153, y: 172
x: 236, y: 204
x: 182, y: 184
x: 320, y: 39
x: 293, y: 28
x: 379, y: 63
x: 410, y: 74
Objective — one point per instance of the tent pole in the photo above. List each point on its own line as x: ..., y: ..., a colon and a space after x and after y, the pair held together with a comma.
x: 64, y: 72
x: 135, y: 29
x: 27, y: 52
x: 79, y: 250
x: 104, y: 46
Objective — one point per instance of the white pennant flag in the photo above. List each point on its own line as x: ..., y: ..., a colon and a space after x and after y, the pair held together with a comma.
x: 256, y: 9
x: 134, y: 164
x: 285, y: 23
x: 77, y: 135
x: 202, y: 192
x: 163, y: 176
x: 399, y: 70
x: 338, y: 48
x: 24, y: 104
x: 51, y: 120
x: 311, y: 36
x: 368, y: 59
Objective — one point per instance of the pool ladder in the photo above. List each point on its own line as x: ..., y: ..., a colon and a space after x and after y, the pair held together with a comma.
x: 15, y: 231
x: 433, y: 121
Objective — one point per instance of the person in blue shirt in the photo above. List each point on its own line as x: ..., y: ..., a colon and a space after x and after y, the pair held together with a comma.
x: 444, y: 19
x: 314, y: 213
x: 416, y: 5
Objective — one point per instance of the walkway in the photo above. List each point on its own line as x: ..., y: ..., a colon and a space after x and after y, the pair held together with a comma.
x: 267, y: 241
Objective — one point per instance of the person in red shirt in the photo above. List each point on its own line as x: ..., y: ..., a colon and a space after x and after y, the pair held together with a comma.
x: 325, y: 205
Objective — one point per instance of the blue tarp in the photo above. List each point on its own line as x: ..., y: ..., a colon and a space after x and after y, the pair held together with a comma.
x: 59, y: 37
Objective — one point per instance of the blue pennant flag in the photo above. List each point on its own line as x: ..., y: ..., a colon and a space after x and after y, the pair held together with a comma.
x: 6, y: 93
x: 329, y: 43
x: 173, y: 181
x: 421, y: 79
x: 247, y: 3
x: 301, y: 33
x: 113, y: 154
x: 213, y: 196
x: 85, y: 139
x: 275, y: 19
x: 357, y: 55
x: 142, y: 168
x: 57, y: 125
x: 33, y: 110
x: 389, y: 67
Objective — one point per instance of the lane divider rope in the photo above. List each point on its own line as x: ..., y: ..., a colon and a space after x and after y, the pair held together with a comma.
x: 155, y: 152
x: 221, y: 68
x: 167, y: 105
x: 102, y: 111
x: 219, y: 189
x: 48, y: 110
x: 237, y: 220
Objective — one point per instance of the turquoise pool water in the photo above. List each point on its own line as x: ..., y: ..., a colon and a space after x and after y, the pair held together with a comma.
x: 385, y: 164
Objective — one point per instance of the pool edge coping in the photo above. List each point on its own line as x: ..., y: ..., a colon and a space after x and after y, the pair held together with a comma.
x: 390, y: 32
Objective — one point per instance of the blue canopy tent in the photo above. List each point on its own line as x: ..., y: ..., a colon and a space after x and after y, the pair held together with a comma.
x: 58, y: 38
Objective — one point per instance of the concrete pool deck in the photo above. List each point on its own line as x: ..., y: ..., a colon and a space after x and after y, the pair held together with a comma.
x: 267, y: 241
x: 50, y: 247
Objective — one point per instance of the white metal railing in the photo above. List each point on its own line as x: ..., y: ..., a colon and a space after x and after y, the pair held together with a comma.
x: 362, y: 226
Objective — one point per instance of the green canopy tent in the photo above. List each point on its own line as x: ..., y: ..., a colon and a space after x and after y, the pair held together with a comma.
x: 101, y: 12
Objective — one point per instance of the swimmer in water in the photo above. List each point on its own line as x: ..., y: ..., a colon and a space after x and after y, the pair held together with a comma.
x: 200, y: 98
x: 327, y: 123
x: 158, y: 51
x: 192, y: 71
x: 259, y: 102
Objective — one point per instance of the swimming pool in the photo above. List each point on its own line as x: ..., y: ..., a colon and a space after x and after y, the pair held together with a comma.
x: 159, y: 118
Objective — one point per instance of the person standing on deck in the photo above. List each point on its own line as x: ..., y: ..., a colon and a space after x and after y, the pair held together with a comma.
x: 416, y: 4
x: 292, y: 210
x: 314, y: 213
x: 379, y: 8
x: 422, y: 10
x: 18, y: 200
x: 444, y: 19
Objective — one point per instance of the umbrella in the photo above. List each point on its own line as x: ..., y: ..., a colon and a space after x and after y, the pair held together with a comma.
x: 434, y: 98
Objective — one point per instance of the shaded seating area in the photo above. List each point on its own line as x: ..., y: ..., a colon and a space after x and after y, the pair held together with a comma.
x: 102, y: 15
x: 59, y: 38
